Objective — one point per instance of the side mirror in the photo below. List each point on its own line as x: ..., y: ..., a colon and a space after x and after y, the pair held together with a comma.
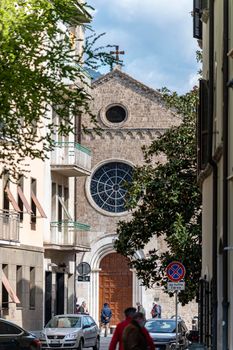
x: 86, y: 326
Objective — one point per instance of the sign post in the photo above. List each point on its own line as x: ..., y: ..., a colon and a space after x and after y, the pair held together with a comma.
x: 175, y: 273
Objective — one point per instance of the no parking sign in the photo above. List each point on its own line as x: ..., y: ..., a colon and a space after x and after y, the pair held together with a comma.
x: 175, y: 271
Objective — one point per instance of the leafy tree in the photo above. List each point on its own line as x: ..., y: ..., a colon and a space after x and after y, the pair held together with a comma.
x: 165, y: 201
x: 39, y: 69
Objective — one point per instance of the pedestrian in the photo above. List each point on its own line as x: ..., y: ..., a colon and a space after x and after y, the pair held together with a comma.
x: 135, y: 335
x: 77, y: 306
x: 117, y: 335
x: 140, y: 308
x: 156, y: 311
x: 105, y: 317
x: 82, y: 308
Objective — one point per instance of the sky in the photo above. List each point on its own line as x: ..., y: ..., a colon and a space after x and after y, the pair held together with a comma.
x: 156, y: 36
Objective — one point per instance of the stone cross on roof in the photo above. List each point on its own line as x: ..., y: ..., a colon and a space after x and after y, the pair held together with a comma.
x: 117, y: 53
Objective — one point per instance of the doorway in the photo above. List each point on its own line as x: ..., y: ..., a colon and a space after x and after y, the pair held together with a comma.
x: 115, y: 285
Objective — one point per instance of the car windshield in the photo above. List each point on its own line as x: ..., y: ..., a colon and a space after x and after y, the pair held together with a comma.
x: 64, y: 322
x: 161, y: 326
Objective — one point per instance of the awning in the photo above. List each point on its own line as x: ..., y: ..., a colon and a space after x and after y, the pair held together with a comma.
x: 38, y: 205
x: 11, y: 199
x: 9, y: 289
x: 24, y: 200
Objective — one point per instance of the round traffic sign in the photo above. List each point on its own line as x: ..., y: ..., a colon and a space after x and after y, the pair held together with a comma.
x: 175, y: 271
x: 83, y: 268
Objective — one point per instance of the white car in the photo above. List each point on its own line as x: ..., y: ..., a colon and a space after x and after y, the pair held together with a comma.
x: 70, y: 331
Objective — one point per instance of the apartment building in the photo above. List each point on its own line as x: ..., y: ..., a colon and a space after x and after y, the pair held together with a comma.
x: 40, y: 235
x: 213, y: 28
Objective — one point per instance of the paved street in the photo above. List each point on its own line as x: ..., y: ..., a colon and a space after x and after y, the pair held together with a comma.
x: 104, y: 342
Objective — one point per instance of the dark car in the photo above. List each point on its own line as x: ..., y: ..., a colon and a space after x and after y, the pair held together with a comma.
x: 13, y: 337
x: 163, y: 333
x: 70, y: 331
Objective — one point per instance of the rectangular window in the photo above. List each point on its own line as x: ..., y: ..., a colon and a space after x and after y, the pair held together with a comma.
x: 5, y: 295
x: 32, y: 290
x: 33, y: 205
x: 53, y: 204
x: 5, y: 183
x: 59, y: 206
x: 19, y: 284
x: 20, y: 202
x: 197, y: 23
x: 203, y: 125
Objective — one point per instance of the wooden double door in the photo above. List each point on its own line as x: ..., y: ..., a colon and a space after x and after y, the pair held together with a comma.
x: 115, y: 285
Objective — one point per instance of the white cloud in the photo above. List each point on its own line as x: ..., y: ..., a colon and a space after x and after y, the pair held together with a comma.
x: 156, y: 36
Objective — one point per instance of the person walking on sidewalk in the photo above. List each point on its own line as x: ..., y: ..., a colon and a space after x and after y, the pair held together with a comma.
x: 117, y: 335
x: 135, y: 335
x: 105, y: 317
x: 141, y: 309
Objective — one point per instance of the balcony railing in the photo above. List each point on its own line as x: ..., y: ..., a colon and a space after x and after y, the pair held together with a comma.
x: 71, y: 159
x: 69, y: 235
x: 9, y: 226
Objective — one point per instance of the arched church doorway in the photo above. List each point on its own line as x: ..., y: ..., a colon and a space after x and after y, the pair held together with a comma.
x: 115, y: 285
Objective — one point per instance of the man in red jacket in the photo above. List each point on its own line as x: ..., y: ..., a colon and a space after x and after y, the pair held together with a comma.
x: 135, y: 336
x: 117, y: 336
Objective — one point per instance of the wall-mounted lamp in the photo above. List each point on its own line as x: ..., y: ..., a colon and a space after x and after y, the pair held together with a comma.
x: 228, y: 248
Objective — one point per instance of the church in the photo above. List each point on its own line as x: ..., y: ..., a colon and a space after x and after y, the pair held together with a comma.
x: 130, y: 115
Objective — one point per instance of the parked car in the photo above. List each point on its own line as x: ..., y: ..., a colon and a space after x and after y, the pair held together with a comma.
x: 163, y: 333
x: 70, y: 331
x: 13, y: 337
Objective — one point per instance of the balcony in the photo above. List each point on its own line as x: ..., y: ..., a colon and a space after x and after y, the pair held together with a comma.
x: 9, y: 227
x: 68, y: 235
x: 71, y: 159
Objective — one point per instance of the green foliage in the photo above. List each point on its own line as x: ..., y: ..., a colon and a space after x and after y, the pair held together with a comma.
x: 39, y: 69
x: 165, y: 202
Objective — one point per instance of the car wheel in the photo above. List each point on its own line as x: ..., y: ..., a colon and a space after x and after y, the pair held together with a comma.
x: 97, y: 344
x: 80, y: 345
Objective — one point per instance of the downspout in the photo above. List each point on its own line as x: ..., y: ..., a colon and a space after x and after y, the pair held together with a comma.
x: 225, y: 303
x: 212, y: 162
x: 77, y: 138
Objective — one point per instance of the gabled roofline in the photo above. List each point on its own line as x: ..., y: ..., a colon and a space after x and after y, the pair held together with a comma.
x: 118, y: 72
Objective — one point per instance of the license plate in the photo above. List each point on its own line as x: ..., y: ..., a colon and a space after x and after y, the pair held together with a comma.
x: 55, y: 341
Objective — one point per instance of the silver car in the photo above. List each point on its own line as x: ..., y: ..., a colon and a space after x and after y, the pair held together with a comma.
x: 71, y: 331
x: 163, y: 333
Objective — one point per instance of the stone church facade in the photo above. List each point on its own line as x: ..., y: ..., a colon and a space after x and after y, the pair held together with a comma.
x: 130, y: 115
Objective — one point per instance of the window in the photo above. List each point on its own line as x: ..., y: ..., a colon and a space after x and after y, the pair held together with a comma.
x: 107, y: 186
x: 6, y: 328
x: 116, y: 114
x: 19, y: 284
x: 32, y: 288
x: 53, y: 204
x: 59, y: 212
x: 203, y: 124
x: 197, y: 23
x: 33, y: 205
x: 60, y: 203
x: 20, y: 202
x: 5, y: 296
x: 6, y: 202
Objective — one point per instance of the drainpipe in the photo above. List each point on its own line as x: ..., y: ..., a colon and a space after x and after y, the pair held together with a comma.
x: 214, y: 298
x: 77, y: 138
x: 225, y: 303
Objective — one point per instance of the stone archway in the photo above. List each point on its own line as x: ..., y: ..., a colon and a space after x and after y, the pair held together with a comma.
x: 115, y: 285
